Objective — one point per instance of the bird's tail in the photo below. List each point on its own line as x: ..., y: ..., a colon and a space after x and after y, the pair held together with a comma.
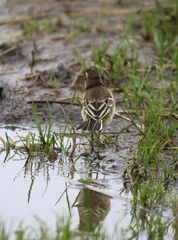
x: 91, y: 125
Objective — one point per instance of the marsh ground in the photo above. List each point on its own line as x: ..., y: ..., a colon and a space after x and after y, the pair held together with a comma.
x: 46, y: 166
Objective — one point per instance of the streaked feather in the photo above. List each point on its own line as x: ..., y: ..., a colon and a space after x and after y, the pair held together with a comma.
x: 91, y: 125
x: 98, y: 110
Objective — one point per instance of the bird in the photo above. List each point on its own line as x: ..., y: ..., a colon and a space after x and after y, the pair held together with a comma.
x: 93, y: 208
x: 98, y: 103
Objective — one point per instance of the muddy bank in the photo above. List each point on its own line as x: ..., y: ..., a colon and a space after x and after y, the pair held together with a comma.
x: 39, y: 59
x: 43, y: 47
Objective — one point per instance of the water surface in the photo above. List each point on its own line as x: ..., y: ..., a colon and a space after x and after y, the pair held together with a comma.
x: 49, y: 190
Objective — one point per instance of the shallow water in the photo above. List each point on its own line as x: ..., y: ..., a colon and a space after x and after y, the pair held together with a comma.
x: 36, y: 191
x: 33, y: 191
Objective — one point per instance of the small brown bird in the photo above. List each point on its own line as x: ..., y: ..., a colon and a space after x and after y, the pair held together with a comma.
x: 93, y: 207
x: 99, y: 105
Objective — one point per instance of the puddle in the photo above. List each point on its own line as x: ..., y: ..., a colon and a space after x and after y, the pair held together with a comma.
x: 45, y: 191
x: 52, y: 189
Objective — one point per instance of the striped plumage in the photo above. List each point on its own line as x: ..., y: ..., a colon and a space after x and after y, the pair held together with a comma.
x: 98, y: 109
x: 93, y: 207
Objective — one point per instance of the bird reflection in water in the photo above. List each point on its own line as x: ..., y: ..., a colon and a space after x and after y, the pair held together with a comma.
x: 93, y: 207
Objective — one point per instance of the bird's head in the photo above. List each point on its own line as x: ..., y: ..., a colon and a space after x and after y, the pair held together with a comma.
x: 92, y: 78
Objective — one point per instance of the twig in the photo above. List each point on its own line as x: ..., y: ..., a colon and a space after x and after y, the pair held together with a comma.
x: 67, y: 118
x: 99, y: 190
x: 72, y: 63
x: 63, y: 101
x: 74, y: 145
x: 51, y: 102
x: 11, y: 49
x: 138, y: 127
x: 32, y: 63
x: 111, y: 12
x: 9, y: 72
x: 61, y: 195
x: 122, y: 116
x: 19, y: 20
x: 126, y: 118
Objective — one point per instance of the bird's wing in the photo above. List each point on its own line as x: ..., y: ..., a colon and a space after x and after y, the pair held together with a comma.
x: 91, y: 125
x: 98, y: 109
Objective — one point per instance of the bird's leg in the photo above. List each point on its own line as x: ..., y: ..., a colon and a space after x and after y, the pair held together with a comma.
x: 98, y: 137
x: 98, y: 146
x: 91, y: 142
x: 95, y: 139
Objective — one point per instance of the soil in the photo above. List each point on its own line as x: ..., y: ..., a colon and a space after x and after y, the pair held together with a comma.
x: 38, y: 62
x: 29, y: 59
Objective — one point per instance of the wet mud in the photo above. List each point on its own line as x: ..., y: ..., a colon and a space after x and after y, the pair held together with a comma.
x: 39, y: 45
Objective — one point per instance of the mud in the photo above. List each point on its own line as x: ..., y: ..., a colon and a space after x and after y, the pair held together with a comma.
x: 39, y: 63
x: 29, y: 59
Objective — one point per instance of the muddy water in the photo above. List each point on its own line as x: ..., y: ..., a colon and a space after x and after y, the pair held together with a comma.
x: 54, y: 189
x: 37, y: 189
x: 48, y: 190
